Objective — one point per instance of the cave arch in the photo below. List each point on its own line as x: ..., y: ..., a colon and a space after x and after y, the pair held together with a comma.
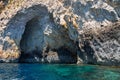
x: 16, y: 25
x: 30, y: 30
x: 15, y: 28
x: 32, y: 38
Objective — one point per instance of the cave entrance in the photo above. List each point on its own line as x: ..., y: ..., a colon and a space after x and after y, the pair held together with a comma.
x: 34, y: 28
x: 42, y: 32
x: 31, y: 41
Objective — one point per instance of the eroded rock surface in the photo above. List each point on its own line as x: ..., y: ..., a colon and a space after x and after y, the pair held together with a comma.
x: 60, y: 31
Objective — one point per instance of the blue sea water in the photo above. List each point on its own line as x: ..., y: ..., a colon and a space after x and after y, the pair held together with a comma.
x: 9, y: 71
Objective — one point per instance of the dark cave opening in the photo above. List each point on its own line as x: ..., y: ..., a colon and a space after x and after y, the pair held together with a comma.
x: 31, y: 46
x: 31, y: 41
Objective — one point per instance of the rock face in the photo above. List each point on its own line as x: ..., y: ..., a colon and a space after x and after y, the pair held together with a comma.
x: 60, y: 31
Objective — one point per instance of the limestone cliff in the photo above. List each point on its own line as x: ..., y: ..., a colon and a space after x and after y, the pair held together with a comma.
x: 60, y: 31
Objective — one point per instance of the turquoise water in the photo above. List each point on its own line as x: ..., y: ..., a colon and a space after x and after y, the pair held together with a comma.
x: 57, y: 72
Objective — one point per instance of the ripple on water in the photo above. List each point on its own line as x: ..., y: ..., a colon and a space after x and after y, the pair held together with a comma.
x: 57, y: 72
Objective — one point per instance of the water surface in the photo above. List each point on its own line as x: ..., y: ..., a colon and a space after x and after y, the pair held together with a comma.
x: 57, y: 72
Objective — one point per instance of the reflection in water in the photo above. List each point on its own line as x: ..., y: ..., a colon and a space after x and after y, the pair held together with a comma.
x: 57, y: 72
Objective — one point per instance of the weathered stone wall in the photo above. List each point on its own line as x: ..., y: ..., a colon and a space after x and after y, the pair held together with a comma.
x: 85, y: 31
